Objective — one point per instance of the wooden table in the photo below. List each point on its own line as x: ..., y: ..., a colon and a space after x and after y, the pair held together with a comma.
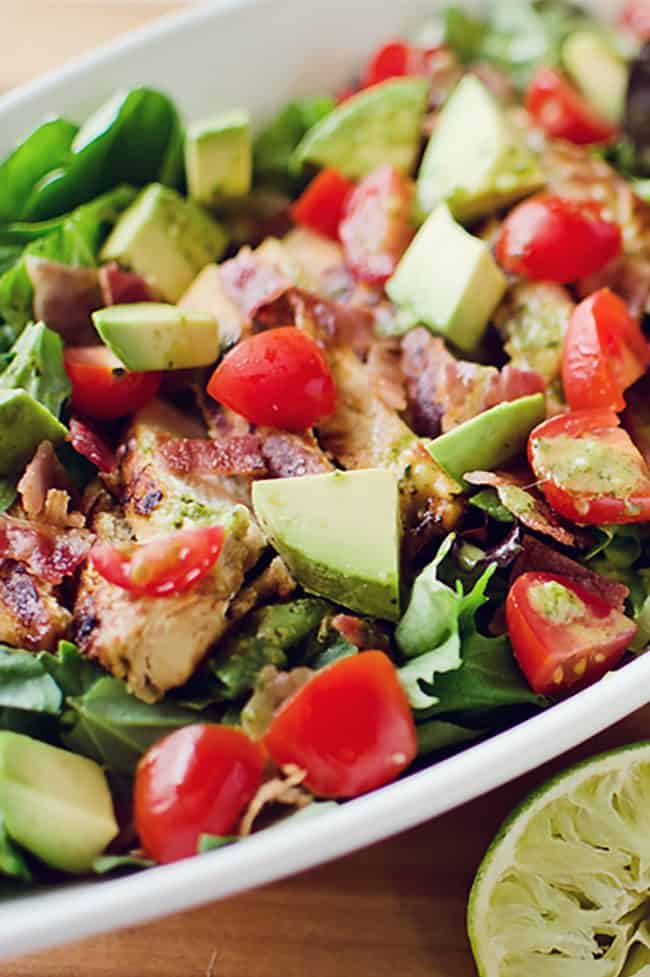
x: 398, y: 907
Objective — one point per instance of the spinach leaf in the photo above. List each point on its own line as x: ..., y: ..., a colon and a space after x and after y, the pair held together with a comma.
x: 463, y: 33
x: 12, y: 861
x: 110, y: 725
x: 73, y: 673
x: 274, y: 146
x: 46, y: 148
x: 488, y: 501
x: 105, y: 864
x: 35, y: 363
x: 25, y: 683
x: 135, y: 137
x: 264, y: 637
x: 75, y: 241
x: 439, y: 735
x: 210, y: 842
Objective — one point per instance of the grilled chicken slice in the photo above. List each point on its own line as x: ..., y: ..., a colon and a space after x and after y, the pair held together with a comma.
x: 156, y: 643
x: 30, y: 615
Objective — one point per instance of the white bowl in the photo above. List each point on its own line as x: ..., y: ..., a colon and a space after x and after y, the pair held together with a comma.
x: 259, y: 54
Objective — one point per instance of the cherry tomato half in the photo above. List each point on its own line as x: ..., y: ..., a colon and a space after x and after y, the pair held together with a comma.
x: 321, y: 205
x: 376, y: 228
x: 563, y: 113
x: 102, y: 387
x: 604, y: 353
x: 563, y: 635
x: 198, y: 780
x: 350, y: 727
x: 278, y: 378
x: 549, y: 238
x: 397, y: 60
x: 589, y: 469
x: 165, y: 566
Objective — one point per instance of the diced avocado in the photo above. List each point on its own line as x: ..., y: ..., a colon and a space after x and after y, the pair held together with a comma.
x: 55, y: 804
x: 166, y: 239
x: 475, y: 161
x: 24, y: 423
x: 598, y: 71
x: 339, y: 534
x: 448, y: 280
x: 489, y: 439
x: 381, y: 124
x: 219, y: 157
x: 155, y: 336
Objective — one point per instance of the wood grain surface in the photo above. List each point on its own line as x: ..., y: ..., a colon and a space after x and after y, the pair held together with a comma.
x: 395, y: 908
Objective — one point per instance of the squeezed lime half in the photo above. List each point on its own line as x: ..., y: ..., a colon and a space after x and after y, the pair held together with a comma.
x: 564, y: 889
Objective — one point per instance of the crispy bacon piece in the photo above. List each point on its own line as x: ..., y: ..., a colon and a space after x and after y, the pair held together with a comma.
x: 386, y: 375
x: 443, y: 391
x: 64, y: 297
x: 252, y: 283
x: 87, y: 441
x: 525, y: 503
x: 286, y: 788
x: 331, y: 323
x: 363, y: 634
x: 43, y: 473
x: 292, y: 455
x: 48, y: 552
x: 237, y: 455
x: 120, y: 287
x: 537, y: 556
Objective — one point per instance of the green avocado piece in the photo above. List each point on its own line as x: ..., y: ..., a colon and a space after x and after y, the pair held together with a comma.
x: 448, y: 280
x: 380, y: 125
x: 598, y: 71
x: 339, y: 534
x: 475, y: 161
x: 166, y: 239
x: 489, y: 439
x: 55, y: 804
x: 24, y: 423
x: 154, y: 336
x: 219, y: 157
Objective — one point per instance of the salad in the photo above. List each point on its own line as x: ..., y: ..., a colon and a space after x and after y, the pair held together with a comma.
x: 324, y: 447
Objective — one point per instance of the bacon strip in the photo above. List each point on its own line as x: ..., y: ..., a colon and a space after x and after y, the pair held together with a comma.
x: 120, y: 287
x: 252, y: 283
x: 87, y: 442
x: 292, y: 455
x: 64, y: 297
x: 43, y: 473
x: 238, y: 455
x: 50, y: 554
x: 524, y: 503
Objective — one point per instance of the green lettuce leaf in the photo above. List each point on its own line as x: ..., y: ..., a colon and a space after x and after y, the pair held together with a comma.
x: 35, y: 364
x: 12, y: 861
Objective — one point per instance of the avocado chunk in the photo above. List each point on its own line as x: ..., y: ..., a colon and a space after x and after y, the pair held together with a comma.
x: 380, y: 125
x: 598, y: 71
x: 339, y: 534
x: 219, y: 157
x: 489, y: 439
x: 166, y: 239
x: 475, y: 161
x: 448, y: 280
x: 24, y: 423
x: 154, y: 336
x: 55, y: 804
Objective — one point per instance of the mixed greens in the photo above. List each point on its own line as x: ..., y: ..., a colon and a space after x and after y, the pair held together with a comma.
x: 323, y: 447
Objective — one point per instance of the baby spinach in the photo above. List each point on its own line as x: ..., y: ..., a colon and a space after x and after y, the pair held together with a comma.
x: 274, y: 146
x: 436, y: 735
x: 47, y: 148
x: 106, y: 864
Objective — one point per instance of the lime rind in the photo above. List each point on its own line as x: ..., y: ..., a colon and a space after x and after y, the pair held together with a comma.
x: 564, y: 889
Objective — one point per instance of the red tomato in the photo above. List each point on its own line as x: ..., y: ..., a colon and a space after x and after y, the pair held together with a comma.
x: 550, y: 238
x: 102, y: 387
x: 165, y: 566
x: 563, y: 113
x: 350, y: 727
x: 636, y: 16
x: 604, y: 353
x: 589, y: 469
x: 89, y: 443
x: 376, y: 228
x: 198, y: 780
x: 562, y: 634
x: 321, y: 205
x: 278, y: 378
x: 389, y: 61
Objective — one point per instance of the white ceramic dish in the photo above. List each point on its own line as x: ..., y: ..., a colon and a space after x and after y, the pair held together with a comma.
x: 242, y: 52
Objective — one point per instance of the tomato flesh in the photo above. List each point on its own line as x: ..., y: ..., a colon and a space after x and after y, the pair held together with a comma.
x: 350, y: 727
x: 549, y: 238
x: 198, y: 780
x: 563, y: 113
x: 589, y: 469
x: 563, y: 635
x: 279, y: 378
x: 376, y: 228
x: 604, y: 353
x: 102, y: 387
x: 321, y: 205
x: 166, y: 566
